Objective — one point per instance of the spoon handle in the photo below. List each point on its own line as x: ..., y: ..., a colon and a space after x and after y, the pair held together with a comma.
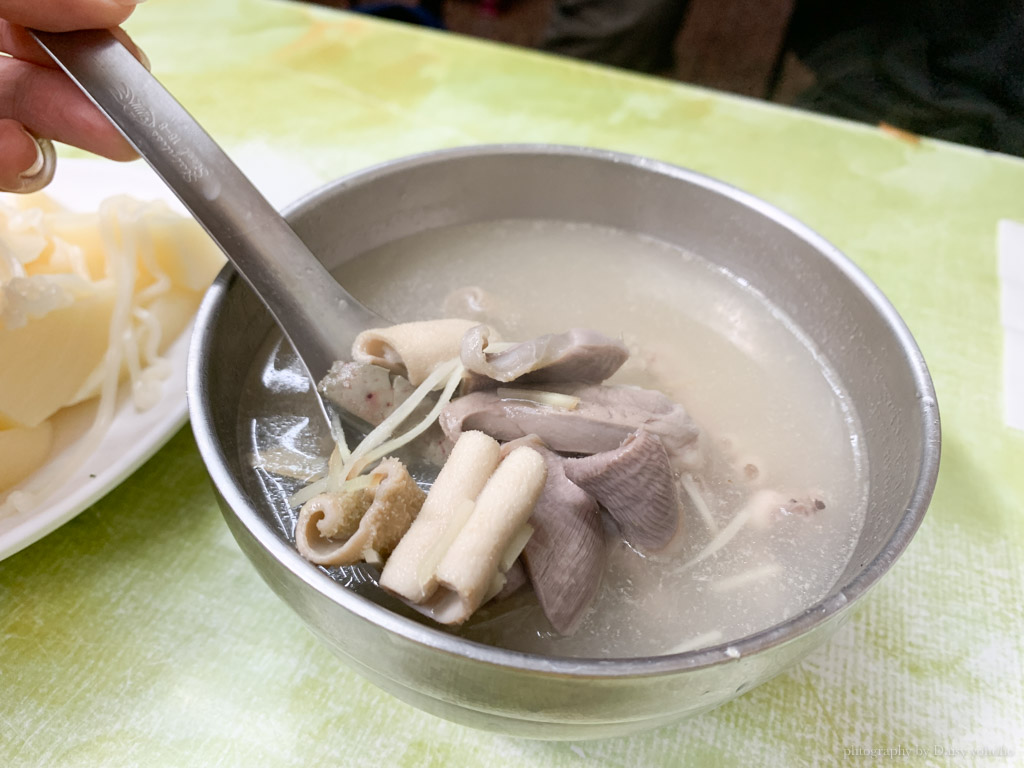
x: 319, y: 317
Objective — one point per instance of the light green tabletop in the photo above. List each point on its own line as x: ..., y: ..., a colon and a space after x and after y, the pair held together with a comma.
x: 138, y: 634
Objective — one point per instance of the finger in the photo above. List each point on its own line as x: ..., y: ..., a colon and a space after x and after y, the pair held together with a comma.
x: 128, y: 43
x: 47, y: 103
x: 64, y: 15
x: 26, y: 165
x: 19, y: 43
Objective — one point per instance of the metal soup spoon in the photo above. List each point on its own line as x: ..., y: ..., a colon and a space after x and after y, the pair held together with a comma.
x: 317, y: 315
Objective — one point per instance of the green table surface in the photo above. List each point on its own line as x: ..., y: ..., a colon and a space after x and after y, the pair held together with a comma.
x: 138, y: 634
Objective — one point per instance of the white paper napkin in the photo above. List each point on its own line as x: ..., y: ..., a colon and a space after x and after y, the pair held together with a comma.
x: 1010, y: 247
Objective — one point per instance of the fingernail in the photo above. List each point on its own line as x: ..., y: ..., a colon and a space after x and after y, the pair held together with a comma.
x: 143, y: 58
x: 40, y: 173
x: 36, y: 166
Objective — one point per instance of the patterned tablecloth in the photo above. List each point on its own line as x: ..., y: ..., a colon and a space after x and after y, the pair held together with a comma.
x: 139, y: 635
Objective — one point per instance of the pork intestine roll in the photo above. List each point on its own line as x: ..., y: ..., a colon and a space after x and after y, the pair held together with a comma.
x: 412, y: 350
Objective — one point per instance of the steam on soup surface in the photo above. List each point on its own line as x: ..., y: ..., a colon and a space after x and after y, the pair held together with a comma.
x: 771, y: 519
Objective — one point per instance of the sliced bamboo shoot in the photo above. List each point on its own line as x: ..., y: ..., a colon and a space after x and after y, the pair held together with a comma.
x: 22, y: 451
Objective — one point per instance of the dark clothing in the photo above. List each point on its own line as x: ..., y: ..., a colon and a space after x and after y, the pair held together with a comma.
x: 636, y: 34
x: 953, y: 69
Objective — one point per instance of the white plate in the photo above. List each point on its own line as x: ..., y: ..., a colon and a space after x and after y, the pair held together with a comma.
x: 133, y: 435
x: 132, y: 438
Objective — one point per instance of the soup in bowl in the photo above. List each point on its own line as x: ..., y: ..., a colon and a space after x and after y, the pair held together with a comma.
x: 759, y: 383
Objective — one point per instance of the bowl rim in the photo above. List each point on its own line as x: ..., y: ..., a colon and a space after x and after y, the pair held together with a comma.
x: 624, y: 667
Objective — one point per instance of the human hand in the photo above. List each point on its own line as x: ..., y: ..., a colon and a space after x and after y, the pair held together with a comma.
x: 38, y: 102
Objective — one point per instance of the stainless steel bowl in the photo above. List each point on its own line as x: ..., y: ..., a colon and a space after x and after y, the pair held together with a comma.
x: 558, y: 698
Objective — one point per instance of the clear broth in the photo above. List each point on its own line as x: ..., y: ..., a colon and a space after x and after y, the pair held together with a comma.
x: 704, y: 337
